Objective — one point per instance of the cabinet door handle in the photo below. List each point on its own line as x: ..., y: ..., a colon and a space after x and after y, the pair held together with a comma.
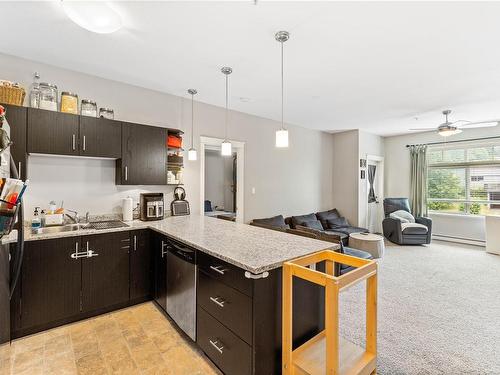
x: 74, y: 141
x: 126, y: 173
x: 79, y: 254
x: 19, y: 169
x: 216, y: 345
x: 135, y: 242
x: 219, y: 269
x: 163, y: 252
x: 84, y: 143
x: 218, y: 301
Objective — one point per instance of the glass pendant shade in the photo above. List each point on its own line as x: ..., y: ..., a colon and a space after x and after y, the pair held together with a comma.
x: 282, y: 138
x: 226, y: 149
x: 192, y: 155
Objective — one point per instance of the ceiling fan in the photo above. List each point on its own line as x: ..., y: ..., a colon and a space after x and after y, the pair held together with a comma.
x: 448, y: 128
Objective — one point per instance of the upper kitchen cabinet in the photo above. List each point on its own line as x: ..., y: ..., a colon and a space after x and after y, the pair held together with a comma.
x: 100, y: 137
x: 17, y: 117
x: 59, y: 133
x: 52, y: 132
x: 144, y: 156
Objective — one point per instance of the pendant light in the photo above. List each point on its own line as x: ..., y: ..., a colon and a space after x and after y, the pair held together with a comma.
x: 226, y: 145
x: 282, y: 133
x: 192, y: 151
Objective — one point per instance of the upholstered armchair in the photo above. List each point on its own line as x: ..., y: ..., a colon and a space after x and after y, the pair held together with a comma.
x: 405, y: 232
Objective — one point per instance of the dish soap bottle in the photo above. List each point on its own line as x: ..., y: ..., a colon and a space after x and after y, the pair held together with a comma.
x: 36, y: 222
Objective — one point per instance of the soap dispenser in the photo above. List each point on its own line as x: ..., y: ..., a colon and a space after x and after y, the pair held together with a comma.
x: 36, y: 222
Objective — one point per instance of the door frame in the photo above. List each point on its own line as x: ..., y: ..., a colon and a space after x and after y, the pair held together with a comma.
x: 380, y: 186
x: 239, y: 148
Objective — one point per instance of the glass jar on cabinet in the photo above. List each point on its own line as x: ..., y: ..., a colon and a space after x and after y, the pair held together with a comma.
x: 48, y: 96
x: 88, y: 108
x: 69, y: 102
x: 107, y: 113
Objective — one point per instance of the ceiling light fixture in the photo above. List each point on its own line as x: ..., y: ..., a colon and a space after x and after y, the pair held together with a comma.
x: 282, y: 133
x: 94, y: 16
x: 448, y: 130
x: 226, y: 145
x: 192, y: 151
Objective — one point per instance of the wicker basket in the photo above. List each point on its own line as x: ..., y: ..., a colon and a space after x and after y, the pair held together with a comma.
x: 12, y: 95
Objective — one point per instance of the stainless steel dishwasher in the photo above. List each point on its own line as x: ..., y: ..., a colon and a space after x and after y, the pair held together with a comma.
x: 181, y: 286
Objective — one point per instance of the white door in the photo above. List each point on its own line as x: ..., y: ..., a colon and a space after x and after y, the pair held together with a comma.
x: 374, y: 180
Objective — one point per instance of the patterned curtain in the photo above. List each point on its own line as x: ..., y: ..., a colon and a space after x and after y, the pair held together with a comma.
x: 418, y: 180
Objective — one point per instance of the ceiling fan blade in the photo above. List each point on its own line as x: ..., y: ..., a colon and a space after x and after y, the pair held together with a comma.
x: 480, y: 124
x: 421, y: 129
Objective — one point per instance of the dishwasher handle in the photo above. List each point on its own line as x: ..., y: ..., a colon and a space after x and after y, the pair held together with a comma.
x: 185, y: 253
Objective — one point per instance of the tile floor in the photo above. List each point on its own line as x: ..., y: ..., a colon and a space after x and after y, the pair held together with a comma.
x: 135, y: 340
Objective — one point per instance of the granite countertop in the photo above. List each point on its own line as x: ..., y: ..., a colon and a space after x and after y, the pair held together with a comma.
x: 251, y: 248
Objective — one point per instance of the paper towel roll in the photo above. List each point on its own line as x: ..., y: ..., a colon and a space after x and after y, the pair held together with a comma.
x: 127, y: 209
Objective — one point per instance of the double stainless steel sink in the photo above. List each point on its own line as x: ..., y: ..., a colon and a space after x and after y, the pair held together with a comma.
x: 80, y: 226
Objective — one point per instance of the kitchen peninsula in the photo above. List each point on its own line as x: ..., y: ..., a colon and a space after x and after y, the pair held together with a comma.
x: 236, y: 278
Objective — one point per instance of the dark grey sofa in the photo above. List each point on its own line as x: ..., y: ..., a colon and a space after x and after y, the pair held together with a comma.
x: 328, y: 221
x: 409, y: 236
x: 280, y: 224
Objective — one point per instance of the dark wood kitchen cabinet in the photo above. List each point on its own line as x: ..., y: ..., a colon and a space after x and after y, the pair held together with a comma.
x: 100, y: 137
x: 159, y: 249
x: 105, y: 276
x: 141, y: 266
x: 17, y: 119
x: 51, y: 132
x: 144, y: 156
x: 239, y: 318
x: 55, y: 288
x: 50, y: 282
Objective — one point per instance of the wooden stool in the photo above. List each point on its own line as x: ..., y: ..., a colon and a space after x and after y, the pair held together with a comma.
x: 327, y: 353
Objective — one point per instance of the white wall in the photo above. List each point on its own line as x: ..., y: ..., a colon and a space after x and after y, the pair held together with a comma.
x: 397, y: 180
x: 289, y: 181
x: 345, y: 174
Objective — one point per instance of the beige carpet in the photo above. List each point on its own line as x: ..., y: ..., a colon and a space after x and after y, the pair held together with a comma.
x: 439, y: 310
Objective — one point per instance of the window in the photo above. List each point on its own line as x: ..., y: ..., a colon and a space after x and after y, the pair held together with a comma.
x: 464, y: 178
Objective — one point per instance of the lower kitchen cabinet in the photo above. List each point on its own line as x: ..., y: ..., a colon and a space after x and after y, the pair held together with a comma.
x: 159, y: 249
x: 141, y: 266
x: 50, y: 282
x: 55, y: 288
x: 105, y: 276
x: 231, y: 354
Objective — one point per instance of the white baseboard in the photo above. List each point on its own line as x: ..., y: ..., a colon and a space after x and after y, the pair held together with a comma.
x: 466, y: 241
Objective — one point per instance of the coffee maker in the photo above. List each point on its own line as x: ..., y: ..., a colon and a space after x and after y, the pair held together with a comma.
x: 151, y: 206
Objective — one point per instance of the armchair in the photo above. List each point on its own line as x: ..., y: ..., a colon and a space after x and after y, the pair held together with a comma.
x: 417, y: 233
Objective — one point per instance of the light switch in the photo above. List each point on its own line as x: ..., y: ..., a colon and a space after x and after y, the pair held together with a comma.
x: 253, y: 191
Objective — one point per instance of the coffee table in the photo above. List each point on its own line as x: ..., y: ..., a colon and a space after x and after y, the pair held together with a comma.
x: 369, y: 242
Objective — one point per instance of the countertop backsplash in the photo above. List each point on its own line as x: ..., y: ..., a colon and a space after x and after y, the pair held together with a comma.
x: 84, y: 184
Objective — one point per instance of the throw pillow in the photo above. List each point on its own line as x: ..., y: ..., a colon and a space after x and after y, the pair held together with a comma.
x: 313, y: 224
x: 275, y: 221
x: 325, y: 215
x: 299, y: 220
x: 403, y: 216
x: 339, y: 222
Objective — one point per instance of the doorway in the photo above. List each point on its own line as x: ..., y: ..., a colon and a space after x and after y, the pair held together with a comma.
x: 221, y: 188
x: 375, y: 190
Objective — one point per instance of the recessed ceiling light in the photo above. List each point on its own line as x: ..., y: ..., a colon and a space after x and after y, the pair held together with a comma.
x: 94, y: 16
